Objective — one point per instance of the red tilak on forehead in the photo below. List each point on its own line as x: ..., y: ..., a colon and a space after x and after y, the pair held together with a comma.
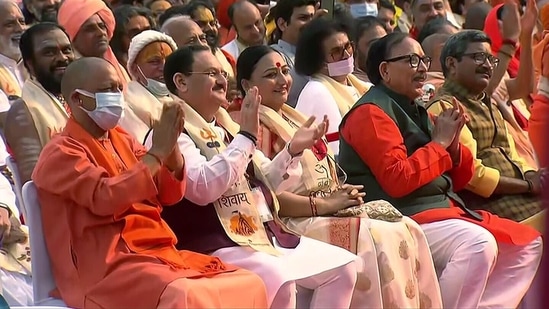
x: 278, y: 65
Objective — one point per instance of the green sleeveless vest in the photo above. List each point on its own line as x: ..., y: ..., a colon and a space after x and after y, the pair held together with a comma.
x: 416, y: 134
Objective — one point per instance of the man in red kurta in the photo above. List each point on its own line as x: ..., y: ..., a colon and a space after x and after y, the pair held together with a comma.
x: 101, y: 195
x: 389, y: 145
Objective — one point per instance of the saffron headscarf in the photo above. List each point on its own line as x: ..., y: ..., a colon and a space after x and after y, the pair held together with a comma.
x: 74, y: 13
x: 491, y: 28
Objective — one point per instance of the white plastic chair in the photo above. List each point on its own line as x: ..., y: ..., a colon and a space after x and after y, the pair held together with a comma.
x: 42, y: 277
x: 12, y: 165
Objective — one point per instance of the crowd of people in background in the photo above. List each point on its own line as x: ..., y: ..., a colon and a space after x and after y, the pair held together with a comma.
x: 273, y: 154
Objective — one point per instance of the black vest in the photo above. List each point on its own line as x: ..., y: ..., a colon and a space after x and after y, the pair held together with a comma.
x: 415, y: 127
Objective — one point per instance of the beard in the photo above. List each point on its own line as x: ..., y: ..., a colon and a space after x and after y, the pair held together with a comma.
x: 212, y: 38
x: 9, y: 48
x: 49, y: 13
x: 48, y: 80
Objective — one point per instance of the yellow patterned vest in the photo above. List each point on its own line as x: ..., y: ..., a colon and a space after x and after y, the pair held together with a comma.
x: 489, y: 131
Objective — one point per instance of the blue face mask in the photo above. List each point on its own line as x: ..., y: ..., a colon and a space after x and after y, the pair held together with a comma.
x: 109, y: 108
x: 363, y: 9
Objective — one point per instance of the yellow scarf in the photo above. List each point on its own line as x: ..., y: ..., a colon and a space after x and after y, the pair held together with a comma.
x: 8, y: 83
x: 47, y: 113
x: 317, y: 174
x: 341, y: 95
x: 236, y: 208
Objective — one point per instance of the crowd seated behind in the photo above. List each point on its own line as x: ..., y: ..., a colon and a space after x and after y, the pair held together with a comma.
x: 273, y: 153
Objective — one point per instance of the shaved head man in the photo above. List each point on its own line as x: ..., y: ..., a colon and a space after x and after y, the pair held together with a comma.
x: 248, y: 23
x: 79, y: 90
x: 476, y: 15
x: 432, y: 46
x: 184, y: 31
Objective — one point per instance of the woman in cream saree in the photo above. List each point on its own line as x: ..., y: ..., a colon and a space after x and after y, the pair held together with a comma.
x: 397, y: 270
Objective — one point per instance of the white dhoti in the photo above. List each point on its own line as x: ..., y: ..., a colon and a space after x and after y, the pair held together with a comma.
x: 16, y: 288
x: 477, y: 272
x: 327, y: 270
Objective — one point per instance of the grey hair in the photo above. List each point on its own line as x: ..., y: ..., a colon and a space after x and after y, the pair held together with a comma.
x: 458, y: 43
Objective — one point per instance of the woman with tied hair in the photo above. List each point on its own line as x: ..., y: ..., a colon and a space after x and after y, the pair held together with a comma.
x: 398, y: 269
x: 325, y: 53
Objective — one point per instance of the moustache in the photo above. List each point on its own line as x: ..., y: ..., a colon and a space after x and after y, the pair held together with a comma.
x: 484, y: 71
x: 60, y: 65
x: 420, y: 77
x: 218, y: 87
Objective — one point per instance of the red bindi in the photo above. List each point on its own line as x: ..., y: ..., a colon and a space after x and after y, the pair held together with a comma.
x: 278, y: 65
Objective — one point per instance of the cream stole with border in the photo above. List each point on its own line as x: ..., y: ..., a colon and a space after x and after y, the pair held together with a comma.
x: 224, y: 120
x: 318, y: 175
x: 236, y: 208
x: 8, y: 83
x: 48, y: 115
x: 341, y: 95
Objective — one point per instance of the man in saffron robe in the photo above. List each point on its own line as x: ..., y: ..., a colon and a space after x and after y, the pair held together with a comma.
x: 41, y: 112
x: 389, y: 144
x: 101, y: 194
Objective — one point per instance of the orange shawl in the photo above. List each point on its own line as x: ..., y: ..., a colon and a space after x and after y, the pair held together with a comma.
x: 74, y: 13
x: 144, y: 231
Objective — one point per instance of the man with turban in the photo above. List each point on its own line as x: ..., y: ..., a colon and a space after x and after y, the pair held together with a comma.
x: 90, y: 26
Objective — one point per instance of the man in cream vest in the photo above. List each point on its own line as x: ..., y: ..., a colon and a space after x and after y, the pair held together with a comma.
x: 230, y: 209
x: 41, y: 112
x: 12, y: 72
x: 147, y: 92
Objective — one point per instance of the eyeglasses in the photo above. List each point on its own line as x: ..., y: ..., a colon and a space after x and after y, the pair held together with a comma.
x: 481, y: 57
x: 414, y: 60
x: 337, y: 53
x: 213, y: 73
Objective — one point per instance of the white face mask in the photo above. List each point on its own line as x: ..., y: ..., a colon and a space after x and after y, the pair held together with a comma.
x: 342, y: 67
x: 109, y: 108
x: 155, y: 87
x: 363, y: 9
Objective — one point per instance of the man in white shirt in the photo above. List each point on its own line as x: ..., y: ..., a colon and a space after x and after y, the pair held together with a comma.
x: 12, y: 72
x: 41, y: 111
x: 228, y: 207
x: 248, y: 23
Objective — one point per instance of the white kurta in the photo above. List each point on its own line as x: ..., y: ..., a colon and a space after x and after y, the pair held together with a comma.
x: 208, y: 180
x: 316, y: 100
